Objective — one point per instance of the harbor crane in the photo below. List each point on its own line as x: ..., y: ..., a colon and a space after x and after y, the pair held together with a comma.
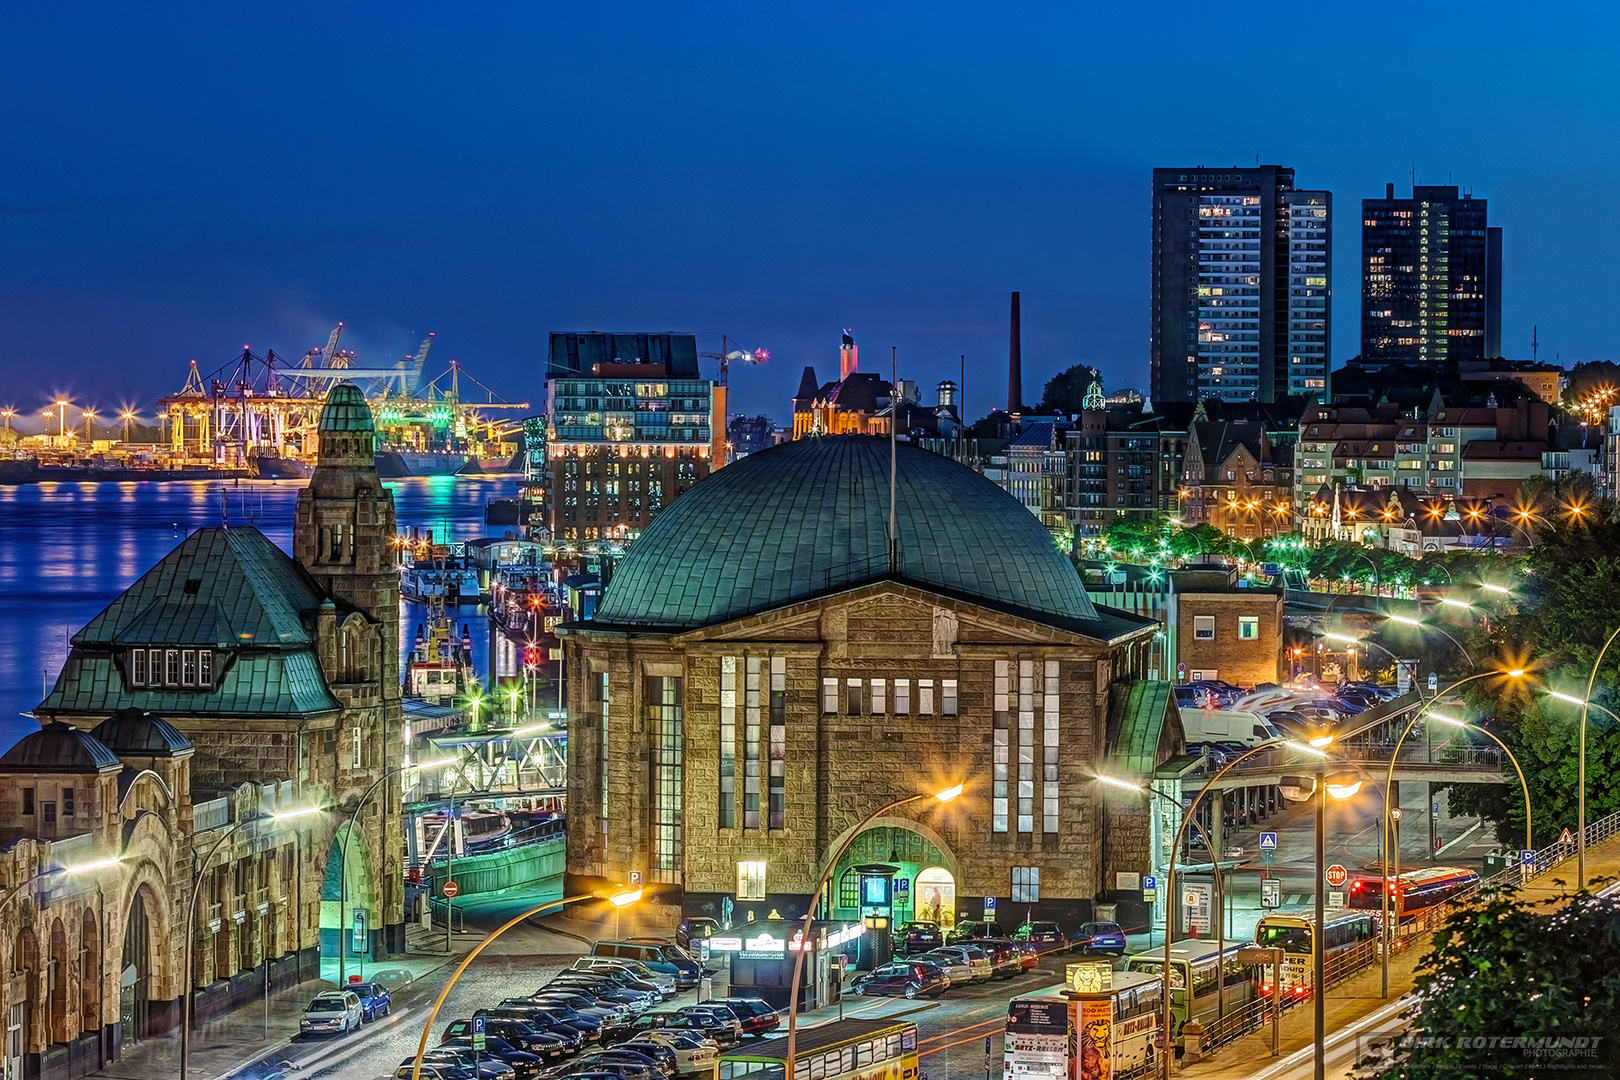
x: 727, y: 354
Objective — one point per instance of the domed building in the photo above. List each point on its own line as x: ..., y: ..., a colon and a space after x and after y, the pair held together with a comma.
x: 765, y: 671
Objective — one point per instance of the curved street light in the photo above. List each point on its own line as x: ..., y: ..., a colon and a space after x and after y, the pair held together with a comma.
x: 1384, y: 822
x: 191, y: 916
x: 438, y: 1003
x: 1407, y: 620
x: 944, y: 796
x: 1523, y: 784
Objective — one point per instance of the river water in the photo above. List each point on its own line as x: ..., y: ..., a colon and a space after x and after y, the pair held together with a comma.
x: 67, y: 550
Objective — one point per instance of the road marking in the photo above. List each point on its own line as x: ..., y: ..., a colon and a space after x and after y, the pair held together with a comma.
x: 1308, y: 1053
x: 341, y: 1052
x: 1466, y: 834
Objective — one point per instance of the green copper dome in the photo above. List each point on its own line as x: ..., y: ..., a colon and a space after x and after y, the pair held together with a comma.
x: 346, y: 410
x: 811, y: 517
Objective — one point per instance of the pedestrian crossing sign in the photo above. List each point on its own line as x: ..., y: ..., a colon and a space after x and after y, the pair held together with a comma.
x: 1268, y: 841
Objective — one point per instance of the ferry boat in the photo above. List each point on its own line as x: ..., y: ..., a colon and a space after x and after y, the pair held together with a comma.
x: 440, y: 666
x: 436, y: 573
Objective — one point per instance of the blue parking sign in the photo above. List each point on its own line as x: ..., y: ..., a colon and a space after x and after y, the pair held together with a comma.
x: 1527, y: 857
x: 1149, y: 882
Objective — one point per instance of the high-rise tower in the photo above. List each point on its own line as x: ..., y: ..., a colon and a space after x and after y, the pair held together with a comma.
x: 1242, y: 285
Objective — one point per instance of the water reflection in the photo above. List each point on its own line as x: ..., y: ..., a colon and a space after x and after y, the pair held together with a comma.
x: 67, y: 550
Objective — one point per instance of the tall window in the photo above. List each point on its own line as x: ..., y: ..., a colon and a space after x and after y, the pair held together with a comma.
x: 829, y: 696
x: 604, y: 698
x: 1026, y: 884
x: 664, y: 712
x: 728, y: 742
x: 751, y: 756
x: 778, y: 778
x: 1026, y: 746
x: 947, y: 697
x: 751, y: 880
x: 1049, y: 750
x: 902, y: 697
x: 880, y: 704
x: 137, y: 674
x: 1000, y: 750
x: 852, y: 697
x: 171, y: 667
x: 925, y: 697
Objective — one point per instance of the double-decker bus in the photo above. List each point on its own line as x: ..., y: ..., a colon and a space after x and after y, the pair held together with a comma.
x: 838, y: 1050
x: 1411, y: 892
x: 1084, y: 1035
x: 1220, y: 983
x: 1297, y: 937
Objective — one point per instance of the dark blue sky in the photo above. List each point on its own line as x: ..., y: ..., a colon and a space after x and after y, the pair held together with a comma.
x: 183, y: 179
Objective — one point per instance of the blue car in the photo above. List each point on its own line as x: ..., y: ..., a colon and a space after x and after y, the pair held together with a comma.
x: 1099, y: 937
x: 375, y: 1000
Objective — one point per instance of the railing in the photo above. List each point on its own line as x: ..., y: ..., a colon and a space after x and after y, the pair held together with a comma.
x: 213, y: 814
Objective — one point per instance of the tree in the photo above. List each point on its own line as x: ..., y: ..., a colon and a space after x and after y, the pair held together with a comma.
x: 1507, y: 970
x: 1066, y: 391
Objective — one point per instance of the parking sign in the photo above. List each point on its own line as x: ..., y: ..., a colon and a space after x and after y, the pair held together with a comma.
x: 478, y: 1033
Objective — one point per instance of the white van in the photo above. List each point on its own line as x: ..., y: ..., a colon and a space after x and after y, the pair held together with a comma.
x: 1228, y: 725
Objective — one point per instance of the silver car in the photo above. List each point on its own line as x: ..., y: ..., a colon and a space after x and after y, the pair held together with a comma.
x: 961, y: 964
x: 331, y: 1014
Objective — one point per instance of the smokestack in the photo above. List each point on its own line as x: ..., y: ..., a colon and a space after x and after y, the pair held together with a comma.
x: 1015, y: 363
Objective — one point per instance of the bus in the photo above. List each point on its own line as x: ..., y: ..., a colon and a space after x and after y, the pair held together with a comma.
x: 1208, y: 970
x: 1296, y: 936
x: 1411, y: 892
x: 837, y: 1050
x: 1091, y: 1035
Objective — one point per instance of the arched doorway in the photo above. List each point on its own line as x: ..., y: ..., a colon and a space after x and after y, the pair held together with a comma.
x: 920, y: 864
x: 135, y: 973
x: 61, y: 983
x: 348, y: 903
x: 20, y: 1024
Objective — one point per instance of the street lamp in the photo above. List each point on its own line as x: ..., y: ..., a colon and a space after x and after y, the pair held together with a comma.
x: 1523, y: 785
x: 1384, y: 823
x: 191, y: 917
x: 1407, y: 620
x: 1580, y: 786
x: 620, y: 902
x: 433, y: 1014
x: 1341, y: 787
x: 944, y: 796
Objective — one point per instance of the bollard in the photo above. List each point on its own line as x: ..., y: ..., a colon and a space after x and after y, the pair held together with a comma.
x: 1192, y: 1043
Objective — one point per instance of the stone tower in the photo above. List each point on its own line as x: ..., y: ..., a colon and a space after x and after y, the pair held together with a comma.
x: 343, y: 535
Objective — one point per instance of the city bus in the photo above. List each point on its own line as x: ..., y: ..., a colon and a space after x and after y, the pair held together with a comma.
x: 1296, y: 935
x: 1411, y: 892
x: 1205, y: 967
x: 837, y: 1050
x: 1092, y: 1035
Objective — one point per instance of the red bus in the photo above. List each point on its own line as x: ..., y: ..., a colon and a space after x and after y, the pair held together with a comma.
x: 1413, y: 891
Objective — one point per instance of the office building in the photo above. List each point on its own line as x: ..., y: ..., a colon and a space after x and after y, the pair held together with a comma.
x: 633, y: 425
x: 1242, y: 286
x: 1431, y: 284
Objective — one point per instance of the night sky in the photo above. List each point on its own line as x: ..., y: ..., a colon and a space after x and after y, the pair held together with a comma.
x: 184, y: 179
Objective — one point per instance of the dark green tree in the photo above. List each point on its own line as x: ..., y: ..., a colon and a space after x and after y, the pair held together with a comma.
x: 1066, y: 391
x: 1504, y: 969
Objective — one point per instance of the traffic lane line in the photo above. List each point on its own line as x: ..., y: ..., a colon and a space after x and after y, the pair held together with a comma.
x: 334, y: 1054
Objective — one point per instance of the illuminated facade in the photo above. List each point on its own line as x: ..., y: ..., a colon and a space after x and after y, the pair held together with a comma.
x: 1242, y: 285
x: 627, y: 435
x: 859, y: 403
x: 1431, y: 279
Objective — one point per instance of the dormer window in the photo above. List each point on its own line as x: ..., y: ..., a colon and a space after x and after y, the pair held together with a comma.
x: 190, y: 669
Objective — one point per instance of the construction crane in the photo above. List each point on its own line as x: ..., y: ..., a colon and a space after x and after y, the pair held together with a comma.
x: 727, y: 354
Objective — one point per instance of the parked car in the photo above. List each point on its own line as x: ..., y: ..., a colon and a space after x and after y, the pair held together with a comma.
x: 657, y: 1051
x: 485, y: 1068
x: 654, y: 951
x: 918, y: 937
x: 1005, y: 958
x: 604, y: 987
x: 433, y: 1071
x: 694, y: 929
x: 610, y: 1011
x: 973, y: 930
x: 905, y: 980
x: 1099, y: 937
x: 619, y: 1055
x: 375, y: 1000
x: 520, y: 1033
x: 978, y: 958
x: 656, y: 985
x: 693, y: 1053
x: 622, y: 1070
x: 1024, y: 953
x: 755, y: 1014
x: 725, y: 1014
x: 956, y: 965
x: 524, y: 1064
x: 663, y: 982
x: 331, y: 1014
x: 1045, y: 936
x: 589, y: 1027
x: 709, y: 1023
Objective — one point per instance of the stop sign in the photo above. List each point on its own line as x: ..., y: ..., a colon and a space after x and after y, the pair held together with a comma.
x: 1337, y: 876
x: 451, y: 888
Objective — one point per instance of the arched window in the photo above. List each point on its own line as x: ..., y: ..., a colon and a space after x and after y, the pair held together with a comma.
x: 849, y: 889
x: 61, y: 983
x: 90, y: 974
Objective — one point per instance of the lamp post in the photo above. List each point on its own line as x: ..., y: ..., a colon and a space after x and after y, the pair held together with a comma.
x: 1389, y: 834
x: 1170, y: 880
x: 1407, y: 620
x: 191, y: 916
x: 1524, y: 786
x: 620, y: 902
x: 343, y: 857
x: 1580, y: 783
x: 438, y: 1003
x: 944, y: 796
x: 1339, y: 788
